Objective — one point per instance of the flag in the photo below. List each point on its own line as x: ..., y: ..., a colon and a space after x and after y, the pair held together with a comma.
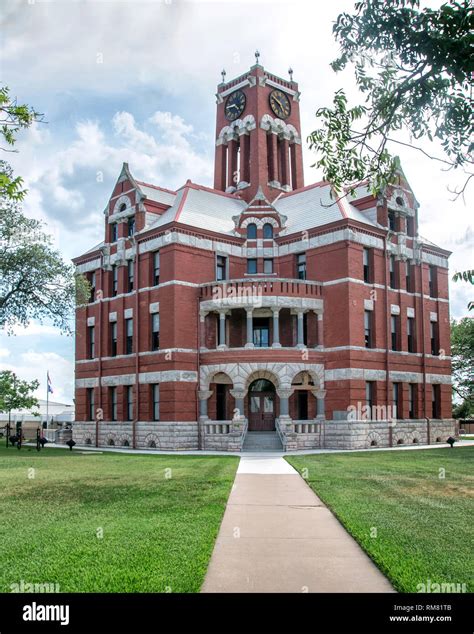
x: 50, y: 389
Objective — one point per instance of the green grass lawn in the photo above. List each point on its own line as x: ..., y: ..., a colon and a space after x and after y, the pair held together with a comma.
x: 424, y: 524
x: 110, y: 522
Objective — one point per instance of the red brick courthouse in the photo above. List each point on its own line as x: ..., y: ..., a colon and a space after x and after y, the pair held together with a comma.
x: 262, y: 304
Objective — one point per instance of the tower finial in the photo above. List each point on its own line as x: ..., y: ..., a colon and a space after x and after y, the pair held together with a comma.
x: 290, y: 72
x: 223, y: 73
x: 257, y: 55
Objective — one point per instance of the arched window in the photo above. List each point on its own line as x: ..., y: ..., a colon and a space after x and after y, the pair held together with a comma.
x: 122, y: 207
x: 252, y: 231
x: 268, y: 231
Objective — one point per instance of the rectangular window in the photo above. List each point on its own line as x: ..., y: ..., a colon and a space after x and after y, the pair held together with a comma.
x: 433, y: 281
x: 114, y: 232
x: 130, y: 275
x: 397, y: 410
x: 411, y: 334
x: 434, y: 338
x: 412, y: 400
x: 129, y: 336
x: 392, y: 220
x: 92, y: 281
x: 252, y: 266
x: 368, y: 329
x: 301, y: 266
x: 155, y: 396
x: 113, y: 403
x: 367, y: 260
x: 91, y: 342
x: 261, y: 332
x: 221, y: 268
x: 393, y: 272
x: 410, y: 226
x: 395, y: 331
x: 409, y: 277
x: 155, y: 331
x: 369, y: 396
x: 156, y: 268
x: 114, y: 280
x: 113, y: 339
x: 268, y: 266
x: 131, y: 226
x: 90, y: 404
x: 436, y: 401
x: 129, y: 396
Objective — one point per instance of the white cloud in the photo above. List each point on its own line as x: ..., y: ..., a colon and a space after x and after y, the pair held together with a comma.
x: 32, y: 365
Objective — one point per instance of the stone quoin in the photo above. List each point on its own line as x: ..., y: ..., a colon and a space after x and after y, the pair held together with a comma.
x: 262, y: 304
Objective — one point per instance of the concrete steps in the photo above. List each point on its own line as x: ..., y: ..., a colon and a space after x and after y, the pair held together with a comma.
x: 262, y: 441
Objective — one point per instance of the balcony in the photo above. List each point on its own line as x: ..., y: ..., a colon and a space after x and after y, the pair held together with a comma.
x: 256, y: 292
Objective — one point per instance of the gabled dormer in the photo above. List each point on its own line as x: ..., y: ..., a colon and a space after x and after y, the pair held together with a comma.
x: 133, y: 206
x: 259, y: 220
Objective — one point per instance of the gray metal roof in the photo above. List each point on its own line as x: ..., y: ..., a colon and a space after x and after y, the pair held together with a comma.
x: 157, y: 194
x: 204, y: 209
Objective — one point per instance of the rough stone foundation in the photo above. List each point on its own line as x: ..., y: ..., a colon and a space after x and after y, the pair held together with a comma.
x: 335, y: 434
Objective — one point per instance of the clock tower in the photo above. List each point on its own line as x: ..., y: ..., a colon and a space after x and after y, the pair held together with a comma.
x: 258, y: 138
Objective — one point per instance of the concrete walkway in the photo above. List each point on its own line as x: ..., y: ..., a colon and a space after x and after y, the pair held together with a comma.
x: 277, y: 536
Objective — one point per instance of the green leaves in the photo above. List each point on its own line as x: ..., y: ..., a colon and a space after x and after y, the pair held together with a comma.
x: 462, y: 357
x: 35, y: 282
x: 414, y: 66
x: 15, y: 393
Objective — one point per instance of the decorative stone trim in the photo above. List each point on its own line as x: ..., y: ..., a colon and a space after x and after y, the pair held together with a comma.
x: 410, y: 311
x: 394, y: 309
x: 128, y: 313
x: 91, y: 321
x: 433, y: 316
x: 113, y: 316
x: 368, y: 304
x: 154, y: 307
x: 168, y: 376
x: 242, y: 374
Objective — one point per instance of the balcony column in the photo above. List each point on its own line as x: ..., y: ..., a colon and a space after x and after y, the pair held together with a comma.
x: 320, y: 405
x: 249, y: 343
x: 203, y: 396
x: 276, y: 328
x: 222, y: 338
x: 300, y: 340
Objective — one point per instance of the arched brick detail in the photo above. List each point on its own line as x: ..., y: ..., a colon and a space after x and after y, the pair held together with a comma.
x: 373, y: 436
x: 149, y: 438
x: 316, y: 375
x: 122, y: 438
x: 262, y: 374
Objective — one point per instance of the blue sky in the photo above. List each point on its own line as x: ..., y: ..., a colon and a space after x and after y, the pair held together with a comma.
x: 135, y: 81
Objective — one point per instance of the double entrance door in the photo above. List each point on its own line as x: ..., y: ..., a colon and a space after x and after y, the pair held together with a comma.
x: 261, y: 406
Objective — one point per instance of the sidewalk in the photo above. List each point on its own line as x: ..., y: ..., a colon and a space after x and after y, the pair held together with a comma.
x: 277, y: 536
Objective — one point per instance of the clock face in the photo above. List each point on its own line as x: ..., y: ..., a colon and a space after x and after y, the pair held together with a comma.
x: 280, y: 104
x: 235, y: 105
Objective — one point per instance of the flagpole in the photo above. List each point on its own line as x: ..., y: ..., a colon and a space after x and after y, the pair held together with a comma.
x: 47, y: 398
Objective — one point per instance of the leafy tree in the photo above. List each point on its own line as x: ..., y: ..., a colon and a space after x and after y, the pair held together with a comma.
x: 13, y: 118
x: 462, y: 352
x: 34, y: 280
x: 15, y: 393
x: 414, y: 67
x: 464, y: 409
x: 465, y: 276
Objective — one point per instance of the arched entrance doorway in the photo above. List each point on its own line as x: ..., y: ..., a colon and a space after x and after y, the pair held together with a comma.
x: 262, y: 404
